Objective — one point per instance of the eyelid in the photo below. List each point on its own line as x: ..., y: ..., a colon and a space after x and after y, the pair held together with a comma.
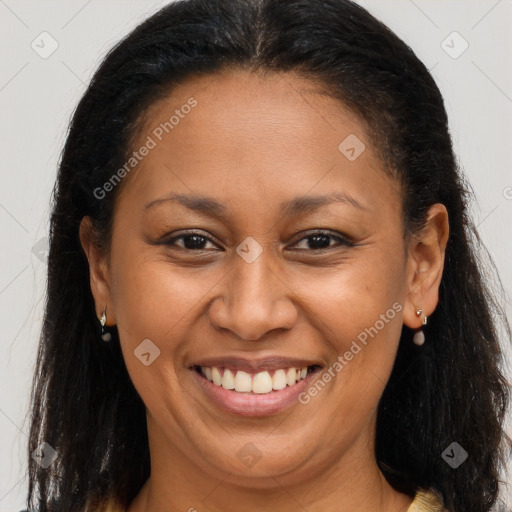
x: 165, y: 240
x: 343, y: 240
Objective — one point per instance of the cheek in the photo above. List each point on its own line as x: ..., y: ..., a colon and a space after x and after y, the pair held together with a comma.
x: 152, y: 300
x: 358, y: 307
x: 352, y: 297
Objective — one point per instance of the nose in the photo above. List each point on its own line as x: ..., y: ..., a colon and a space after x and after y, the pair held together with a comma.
x: 254, y: 301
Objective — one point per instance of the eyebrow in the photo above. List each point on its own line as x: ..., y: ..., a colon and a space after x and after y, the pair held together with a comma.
x: 299, y: 205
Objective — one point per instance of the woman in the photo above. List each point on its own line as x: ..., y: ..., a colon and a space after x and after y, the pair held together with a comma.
x: 263, y: 291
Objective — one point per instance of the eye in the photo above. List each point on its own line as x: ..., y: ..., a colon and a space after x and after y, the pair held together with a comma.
x: 316, y: 241
x: 190, y: 241
x: 321, y: 240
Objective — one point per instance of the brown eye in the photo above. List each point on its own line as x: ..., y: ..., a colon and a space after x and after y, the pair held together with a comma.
x: 190, y: 241
x: 322, y: 240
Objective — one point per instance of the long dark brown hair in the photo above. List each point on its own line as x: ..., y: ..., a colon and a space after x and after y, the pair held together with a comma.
x: 449, y: 390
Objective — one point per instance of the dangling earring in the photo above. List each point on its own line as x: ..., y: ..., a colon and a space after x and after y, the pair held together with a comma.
x: 419, y: 335
x: 105, y: 336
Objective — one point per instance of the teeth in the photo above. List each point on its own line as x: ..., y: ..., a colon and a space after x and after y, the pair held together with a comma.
x: 216, y: 377
x: 260, y: 383
x: 228, y: 380
x: 279, y: 379
x: 243, y: 382
x: 291, y: 376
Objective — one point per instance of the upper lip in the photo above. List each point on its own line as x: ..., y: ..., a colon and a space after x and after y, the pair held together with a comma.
x: 255, y: 365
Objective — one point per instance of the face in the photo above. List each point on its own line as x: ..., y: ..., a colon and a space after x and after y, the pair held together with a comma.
x: 247, y: 239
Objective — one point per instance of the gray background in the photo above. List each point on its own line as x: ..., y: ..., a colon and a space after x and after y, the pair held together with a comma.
x: 38, y: 95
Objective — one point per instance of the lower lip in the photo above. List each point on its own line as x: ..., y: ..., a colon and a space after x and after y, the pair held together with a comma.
x: 254, y: 404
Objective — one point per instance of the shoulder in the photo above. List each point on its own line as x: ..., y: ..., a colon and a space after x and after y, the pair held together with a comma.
x: 427, y: 500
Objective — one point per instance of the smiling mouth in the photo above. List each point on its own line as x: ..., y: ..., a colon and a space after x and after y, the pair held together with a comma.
x: 265, y: 382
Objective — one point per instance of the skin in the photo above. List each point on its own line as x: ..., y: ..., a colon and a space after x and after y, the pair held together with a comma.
x: 251, y: 143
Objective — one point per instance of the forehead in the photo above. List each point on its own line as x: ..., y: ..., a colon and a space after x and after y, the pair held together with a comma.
x: 260, y: 111
x: 241, y: 135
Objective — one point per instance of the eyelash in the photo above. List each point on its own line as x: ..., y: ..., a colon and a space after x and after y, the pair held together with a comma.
x: 342, y: 240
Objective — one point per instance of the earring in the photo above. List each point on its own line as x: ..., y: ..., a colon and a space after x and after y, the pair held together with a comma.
x: 105, y: 336
x: 419, y: 335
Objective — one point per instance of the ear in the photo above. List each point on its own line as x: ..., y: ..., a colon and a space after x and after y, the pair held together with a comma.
x: 425, y: 265
x: 98, y: 271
